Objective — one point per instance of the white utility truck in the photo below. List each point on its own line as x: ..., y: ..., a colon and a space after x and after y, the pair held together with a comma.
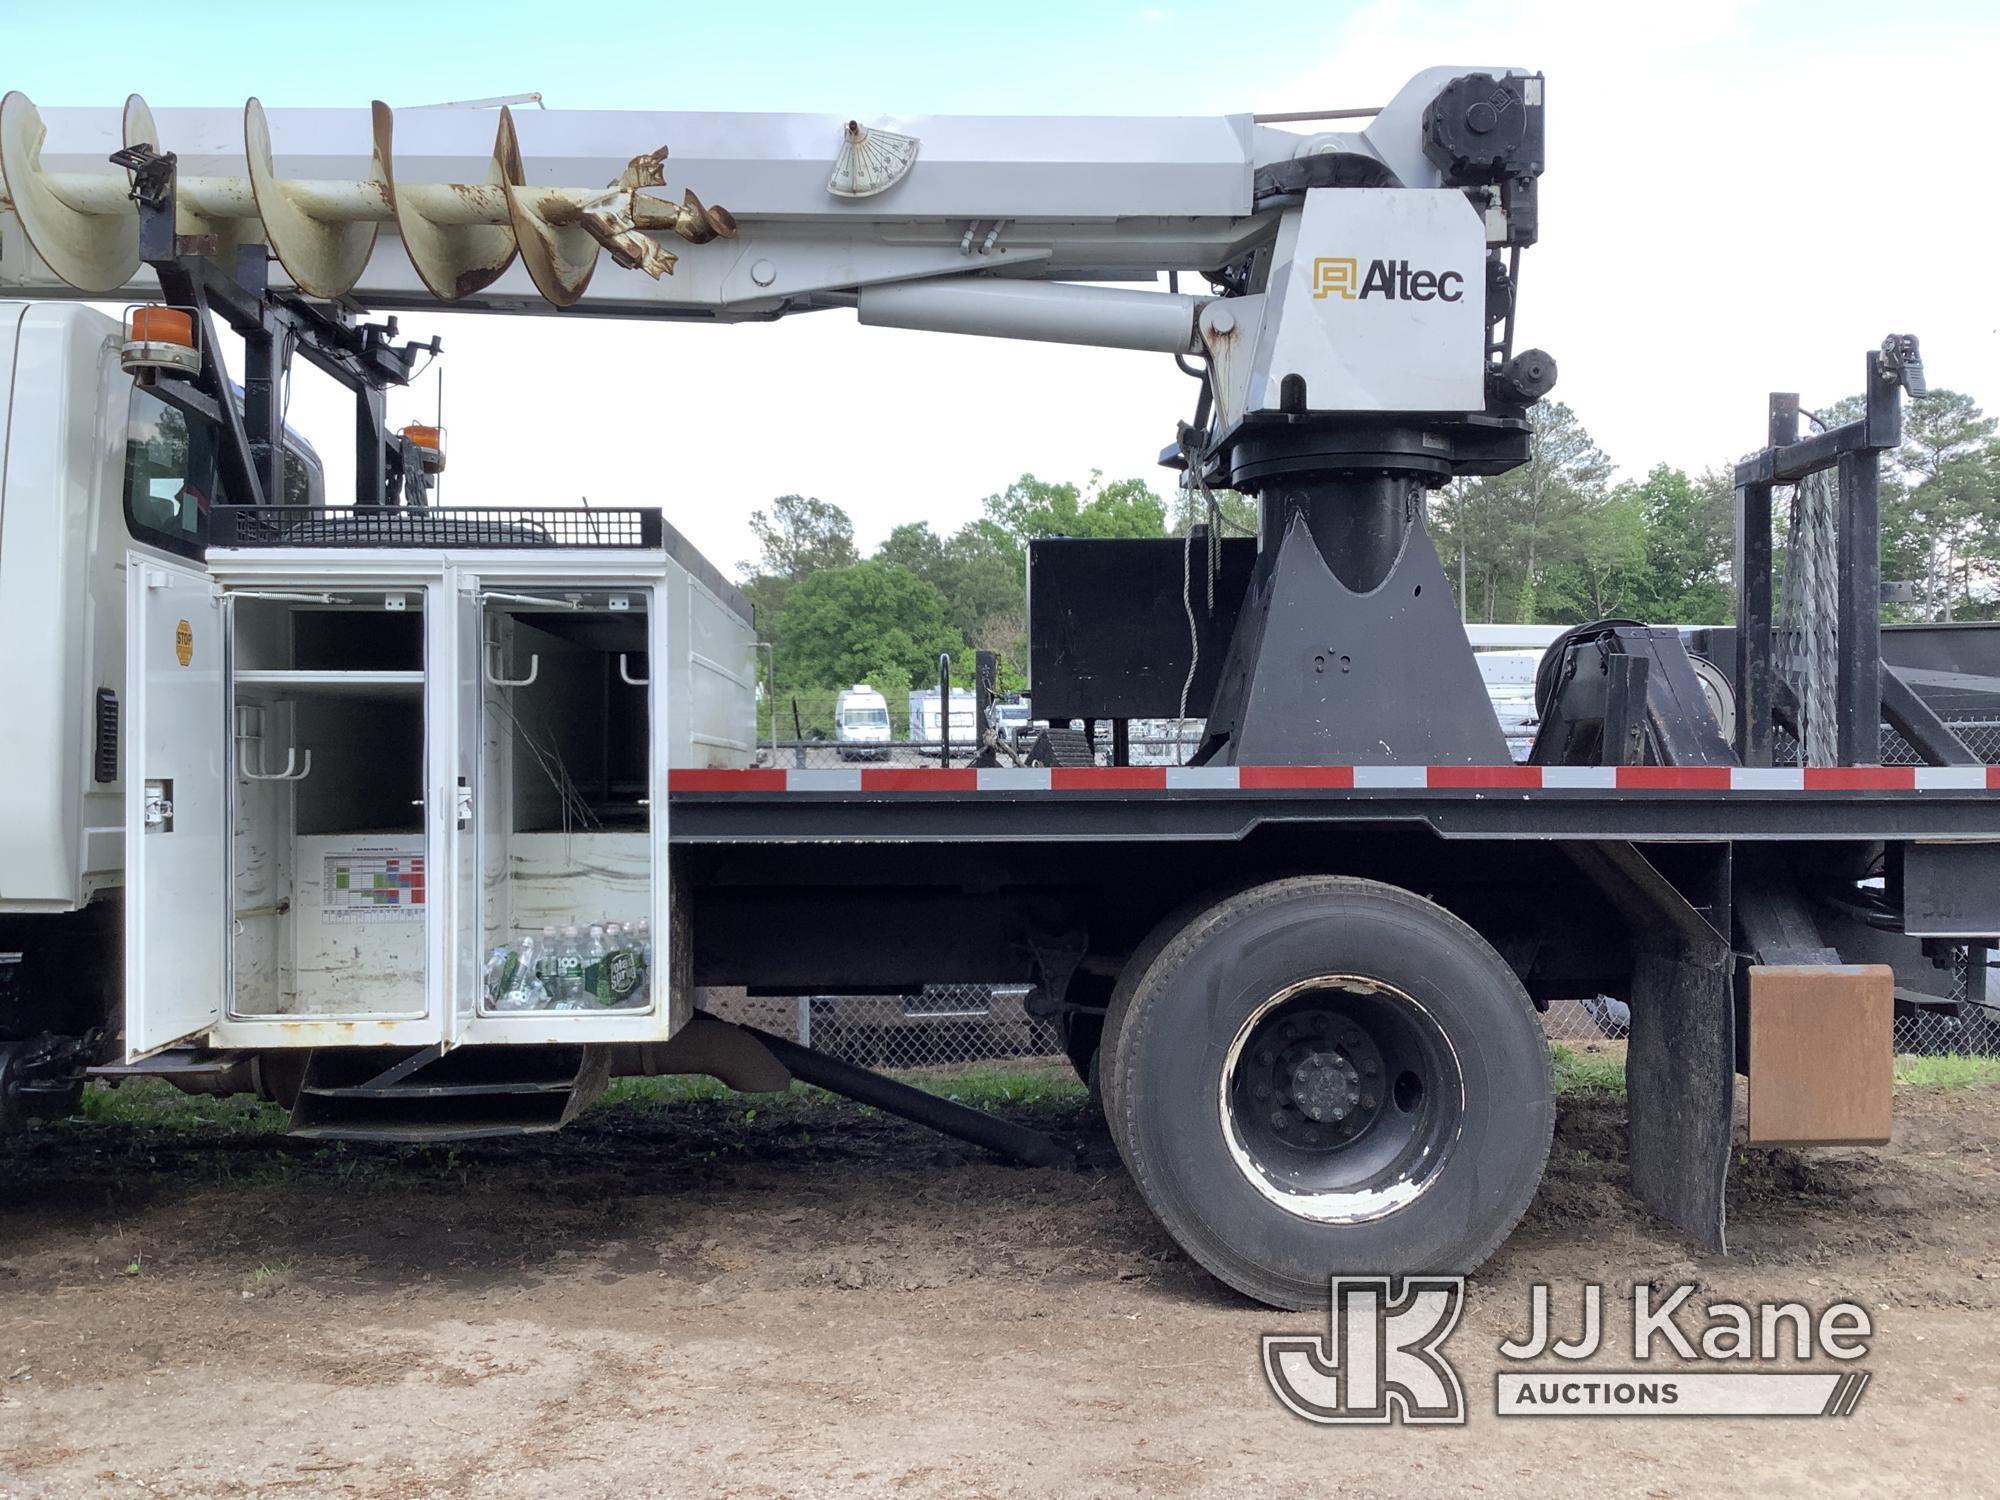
x: 426, y: 820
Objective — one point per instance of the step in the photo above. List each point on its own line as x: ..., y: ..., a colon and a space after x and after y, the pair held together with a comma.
x: 469, y: 1093
x: 445, y: 1090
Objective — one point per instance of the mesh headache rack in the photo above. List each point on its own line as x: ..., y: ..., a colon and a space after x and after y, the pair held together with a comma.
x: 434, y: 526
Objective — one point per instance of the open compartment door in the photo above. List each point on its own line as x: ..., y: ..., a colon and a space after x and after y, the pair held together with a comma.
x: 469, y: 793
x: 568, y: 835
x: 176, y: 804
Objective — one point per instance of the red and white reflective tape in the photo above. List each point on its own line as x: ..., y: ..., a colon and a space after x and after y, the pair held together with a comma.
x: 1477, y: 779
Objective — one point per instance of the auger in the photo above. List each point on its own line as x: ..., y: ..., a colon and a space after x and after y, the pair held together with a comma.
x: 460, y: 236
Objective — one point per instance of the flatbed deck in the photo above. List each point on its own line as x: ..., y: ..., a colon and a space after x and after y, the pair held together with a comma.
x: 1143, y: 803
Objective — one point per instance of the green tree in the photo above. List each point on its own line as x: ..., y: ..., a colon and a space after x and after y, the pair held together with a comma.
x: 1031, y: 507
x: 1604, y: 566
x: 1950, y: 467
x: 873, y: 621
x: 1689, y: 527
x: 1940, y: 502
x: 1514, y: 526
x: 797, y: 537
x: 980, y: 575
x: 1239, y: 512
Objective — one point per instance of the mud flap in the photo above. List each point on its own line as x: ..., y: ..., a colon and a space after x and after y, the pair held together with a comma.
x: 1680, y: 1067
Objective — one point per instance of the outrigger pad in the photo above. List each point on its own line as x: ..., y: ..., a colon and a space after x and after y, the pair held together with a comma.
x: 1680, y: 1064
x: 1822, y: 1054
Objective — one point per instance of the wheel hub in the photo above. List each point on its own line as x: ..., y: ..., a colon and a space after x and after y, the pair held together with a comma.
x: 1325, y: 1086
x: 1317, y: 1074
x: 1330, y: 1102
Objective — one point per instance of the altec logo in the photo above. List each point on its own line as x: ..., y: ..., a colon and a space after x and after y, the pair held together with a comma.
x: 1391, y: 280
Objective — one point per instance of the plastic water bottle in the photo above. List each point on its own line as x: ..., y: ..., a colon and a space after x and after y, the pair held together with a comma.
x: 596, y: 973
x: 523, y: 989
x: 622, y: 967
x: 500, y: 965
x: 644, y: 944
x: 569, y: 971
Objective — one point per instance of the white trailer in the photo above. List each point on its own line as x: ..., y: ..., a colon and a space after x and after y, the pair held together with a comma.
x: 927, y: 721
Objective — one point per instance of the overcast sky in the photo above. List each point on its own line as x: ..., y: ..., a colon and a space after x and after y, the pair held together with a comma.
x: 1739, y: 197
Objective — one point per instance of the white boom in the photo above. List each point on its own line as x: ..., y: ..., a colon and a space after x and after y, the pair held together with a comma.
x: 974, y: 224
x: 818, y: 204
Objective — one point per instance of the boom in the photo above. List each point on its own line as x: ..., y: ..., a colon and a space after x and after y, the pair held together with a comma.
x: 400, y: 211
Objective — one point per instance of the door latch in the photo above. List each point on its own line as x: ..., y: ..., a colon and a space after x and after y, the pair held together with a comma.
x: 160, y: 805
x: 463, y: 805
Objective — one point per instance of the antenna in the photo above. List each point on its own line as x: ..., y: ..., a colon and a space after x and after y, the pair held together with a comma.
x: 438, y: 483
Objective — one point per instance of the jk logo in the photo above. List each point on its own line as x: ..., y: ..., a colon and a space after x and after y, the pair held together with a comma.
x: 1379, y: 1360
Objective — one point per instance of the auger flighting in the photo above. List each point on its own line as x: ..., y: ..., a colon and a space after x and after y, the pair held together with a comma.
x: 460, y: 236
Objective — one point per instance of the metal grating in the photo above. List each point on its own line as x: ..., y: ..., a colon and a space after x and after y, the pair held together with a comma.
x: 434, y: 526
x: 104, y: 768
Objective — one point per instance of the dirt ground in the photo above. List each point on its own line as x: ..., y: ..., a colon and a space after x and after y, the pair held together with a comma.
x: 812, y: 1301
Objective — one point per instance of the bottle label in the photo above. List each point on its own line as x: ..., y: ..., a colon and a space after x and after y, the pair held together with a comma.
x: 621, y: 974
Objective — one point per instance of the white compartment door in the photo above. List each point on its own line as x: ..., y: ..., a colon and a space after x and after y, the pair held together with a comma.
x: 468, y: 792
x: 176, y: 804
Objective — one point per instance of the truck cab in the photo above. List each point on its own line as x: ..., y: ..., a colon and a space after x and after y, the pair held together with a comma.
x: 93, y: 471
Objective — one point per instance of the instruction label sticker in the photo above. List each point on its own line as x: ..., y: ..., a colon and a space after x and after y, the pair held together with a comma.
x: 365, y: 887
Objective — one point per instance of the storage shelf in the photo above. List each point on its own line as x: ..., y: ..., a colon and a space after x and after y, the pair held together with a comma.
x: 270, y: 682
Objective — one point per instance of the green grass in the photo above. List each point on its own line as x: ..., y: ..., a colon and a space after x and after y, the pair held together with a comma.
x: 154, y: 1104
x: 1947, y: 1072
x: 1581, y: 1076
x: 983, y: 1088
x: 980, y: 1088
x: 158, y: 1105
x: 663, y: 1093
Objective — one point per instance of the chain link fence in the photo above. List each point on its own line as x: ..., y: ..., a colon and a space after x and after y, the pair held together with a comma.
x: 1950, y: 1027
x: 940, y: 1027
x: 947, y: 1028
x: 1154, y: 748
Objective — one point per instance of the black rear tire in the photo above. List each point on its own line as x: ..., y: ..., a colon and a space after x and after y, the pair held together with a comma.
x: 1327, y: 1075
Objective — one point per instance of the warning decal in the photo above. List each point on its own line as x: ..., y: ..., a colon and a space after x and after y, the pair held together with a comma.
x: 363, y: 887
